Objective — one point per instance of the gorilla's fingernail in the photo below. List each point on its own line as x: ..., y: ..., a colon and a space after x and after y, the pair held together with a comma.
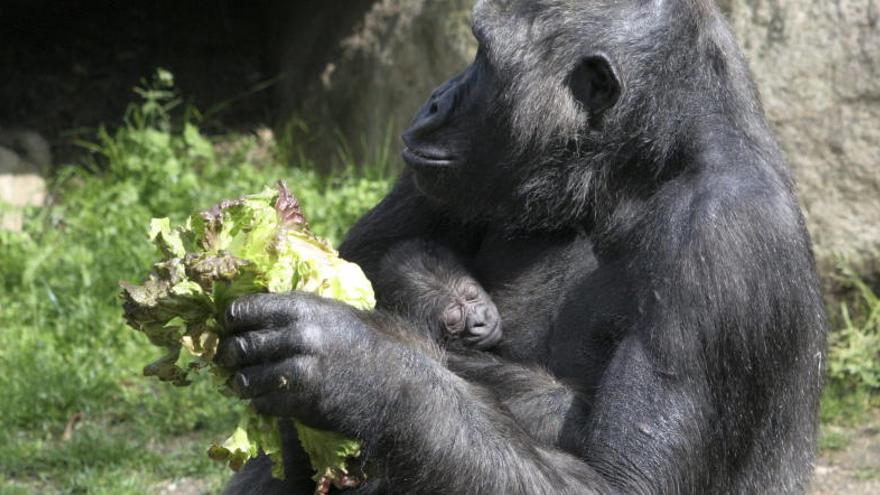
x: 231, y: 353
x: 240, y: 348
x: 229, y: 316
x: 239, y: 383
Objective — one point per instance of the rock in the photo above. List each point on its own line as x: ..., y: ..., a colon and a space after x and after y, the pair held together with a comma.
x: 24, y: 157
x: 369, y: 86
x: 817, y: 65
x: 24, y: 151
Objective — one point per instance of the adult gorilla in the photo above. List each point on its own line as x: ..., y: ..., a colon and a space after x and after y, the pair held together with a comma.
x: 605, y: 172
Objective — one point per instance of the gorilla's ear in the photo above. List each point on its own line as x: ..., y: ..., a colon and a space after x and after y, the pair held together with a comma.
x: 595, y: 85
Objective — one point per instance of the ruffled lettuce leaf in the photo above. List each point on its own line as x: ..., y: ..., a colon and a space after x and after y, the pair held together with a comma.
x: 256, y: 243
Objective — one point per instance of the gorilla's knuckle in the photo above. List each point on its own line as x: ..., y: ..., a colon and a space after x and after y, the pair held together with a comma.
x: 299, y: 305
x: 230, y: 352
x: 240, y: 384
x: 302, y: 375
x: 239, y: 348
x: 233, y: 312
x: 311, y: 336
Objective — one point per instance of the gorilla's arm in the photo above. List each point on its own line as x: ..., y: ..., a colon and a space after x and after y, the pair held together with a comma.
x: 665, y: 409
x: 542, y: 405
x: 417, y: 419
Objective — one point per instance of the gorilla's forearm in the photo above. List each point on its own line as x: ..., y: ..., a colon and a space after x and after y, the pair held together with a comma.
x: 471, y: 435
x: 538, y: 402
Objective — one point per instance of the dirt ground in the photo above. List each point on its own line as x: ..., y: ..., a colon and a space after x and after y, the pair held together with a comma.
x: 853, y: 469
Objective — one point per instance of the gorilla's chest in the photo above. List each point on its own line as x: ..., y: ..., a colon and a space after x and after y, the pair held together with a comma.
x: 537, y: 284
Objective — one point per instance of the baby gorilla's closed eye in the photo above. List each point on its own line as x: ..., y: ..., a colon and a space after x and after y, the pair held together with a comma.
x: 472, y: 318
x: 453, y: 318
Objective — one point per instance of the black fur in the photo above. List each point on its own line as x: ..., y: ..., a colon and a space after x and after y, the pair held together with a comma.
x: 605, y: 172
x: 429, y: 285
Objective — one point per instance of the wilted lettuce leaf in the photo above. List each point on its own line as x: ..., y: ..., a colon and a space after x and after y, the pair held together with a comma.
x: 257, y: 243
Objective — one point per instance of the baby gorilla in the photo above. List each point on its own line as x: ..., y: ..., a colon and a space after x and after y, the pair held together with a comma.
x: 426, y: 284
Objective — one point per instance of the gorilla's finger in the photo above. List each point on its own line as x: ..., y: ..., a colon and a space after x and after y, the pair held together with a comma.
x: 286, y: 377
x: 258, y: 346
x: 274, y: 405
x: 257, y: 311
x: 285, y: 405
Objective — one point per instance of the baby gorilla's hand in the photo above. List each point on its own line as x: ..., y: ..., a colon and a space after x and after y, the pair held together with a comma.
x: 470, y: 316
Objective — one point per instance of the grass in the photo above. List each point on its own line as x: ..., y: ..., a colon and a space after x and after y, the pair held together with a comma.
x: 852, y: 387
x: 868, y: 474
x: 76, y: 415
x: 832, y: 439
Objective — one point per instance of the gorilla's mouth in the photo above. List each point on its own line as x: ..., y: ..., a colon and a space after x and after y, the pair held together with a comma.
x: 422, y: 158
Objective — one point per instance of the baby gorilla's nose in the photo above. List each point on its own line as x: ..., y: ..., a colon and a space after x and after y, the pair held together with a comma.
x: 483, y: 328
x: 478, y: 318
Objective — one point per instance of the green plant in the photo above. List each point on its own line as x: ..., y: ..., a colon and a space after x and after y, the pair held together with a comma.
x: 360, y: 159
x: 258, y: 243
x: 833, y: 439
x: 854, y: 357
x: 76, y: 414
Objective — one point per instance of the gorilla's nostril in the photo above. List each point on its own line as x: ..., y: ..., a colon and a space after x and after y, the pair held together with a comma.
x: 434, y: 108
x: 477, y: 322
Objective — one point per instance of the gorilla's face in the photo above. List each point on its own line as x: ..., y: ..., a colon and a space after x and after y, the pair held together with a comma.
x: 496, y: 141
x: 454, y: 134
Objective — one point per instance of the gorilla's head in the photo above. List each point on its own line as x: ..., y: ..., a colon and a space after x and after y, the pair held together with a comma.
x: 564, y: 99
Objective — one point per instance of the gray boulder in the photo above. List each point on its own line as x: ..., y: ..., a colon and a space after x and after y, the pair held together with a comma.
x: 24, y: 157
x: 373, y: 77
x: 817, y: 65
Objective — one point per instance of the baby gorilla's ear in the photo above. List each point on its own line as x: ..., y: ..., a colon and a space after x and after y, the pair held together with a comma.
x: 595, y: 85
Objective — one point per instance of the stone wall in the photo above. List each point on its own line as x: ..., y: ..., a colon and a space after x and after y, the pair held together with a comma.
x: 817, y: 64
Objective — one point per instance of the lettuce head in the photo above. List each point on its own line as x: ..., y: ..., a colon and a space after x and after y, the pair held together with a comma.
x: 257, y: 243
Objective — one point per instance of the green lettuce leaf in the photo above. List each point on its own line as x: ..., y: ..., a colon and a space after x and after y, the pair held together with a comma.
x: 257, y: 243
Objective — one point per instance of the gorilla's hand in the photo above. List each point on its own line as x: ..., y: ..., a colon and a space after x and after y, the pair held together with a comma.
x: 300, y: 355
x: 468, y: 315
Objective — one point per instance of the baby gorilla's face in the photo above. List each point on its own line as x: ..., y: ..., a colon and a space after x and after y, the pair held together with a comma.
x: 471, y: 318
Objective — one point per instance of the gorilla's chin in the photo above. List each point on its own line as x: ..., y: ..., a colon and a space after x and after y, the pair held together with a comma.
x: 436, y: 183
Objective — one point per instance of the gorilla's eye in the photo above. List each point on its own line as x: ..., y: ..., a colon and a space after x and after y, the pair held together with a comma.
x: 470, y: 292
x: 594, y: 84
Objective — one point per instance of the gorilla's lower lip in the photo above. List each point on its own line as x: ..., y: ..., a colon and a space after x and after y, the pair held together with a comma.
x: 483, y: 342
x: 415, y: 158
